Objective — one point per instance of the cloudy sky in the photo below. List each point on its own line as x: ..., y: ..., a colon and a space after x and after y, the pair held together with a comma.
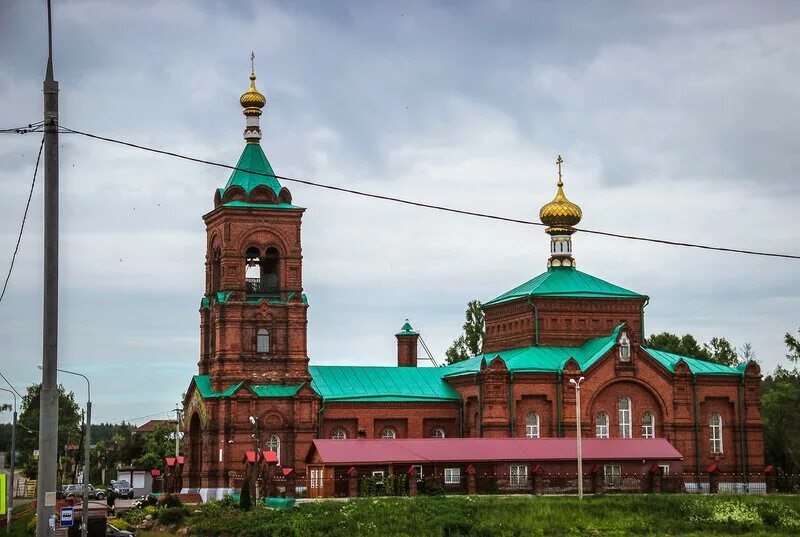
x: 676, y: 120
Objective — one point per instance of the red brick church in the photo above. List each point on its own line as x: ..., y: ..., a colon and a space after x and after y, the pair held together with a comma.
x: 256, y: 388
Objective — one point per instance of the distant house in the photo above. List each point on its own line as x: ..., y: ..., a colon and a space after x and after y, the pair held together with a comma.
x: 151, y: 425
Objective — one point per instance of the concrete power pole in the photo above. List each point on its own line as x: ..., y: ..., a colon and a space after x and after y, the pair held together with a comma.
x: 48, y: 409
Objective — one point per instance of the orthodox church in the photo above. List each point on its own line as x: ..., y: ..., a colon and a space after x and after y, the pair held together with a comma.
x: 255, y: 388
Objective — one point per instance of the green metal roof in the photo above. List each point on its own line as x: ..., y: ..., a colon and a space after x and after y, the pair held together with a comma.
x: 539, y: 359
x: 353, y: 383
x: 248, y: 204
x: 253, y: 159
x: 407, y: 330
x: 696, y: 366
x: 565, y: 282
x: 203, y: 383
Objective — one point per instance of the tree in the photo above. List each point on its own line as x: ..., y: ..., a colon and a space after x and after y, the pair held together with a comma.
x: 685, y: 345
x: 158, y: 445
x: 470, y: 343
x: 68, y: 420
x: 793, y: 344
x: 244, y: 496
x: 722, y: 352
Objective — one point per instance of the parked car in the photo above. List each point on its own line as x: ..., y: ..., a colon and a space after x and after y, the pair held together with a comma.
x: 121, y: 488
x: 76, y: 492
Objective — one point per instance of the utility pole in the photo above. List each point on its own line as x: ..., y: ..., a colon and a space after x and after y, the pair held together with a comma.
x: 48, y: 408
x: 177, y: 432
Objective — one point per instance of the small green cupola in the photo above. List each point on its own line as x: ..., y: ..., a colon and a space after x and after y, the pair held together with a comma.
x: 407, y: 330
x: 253, y: 182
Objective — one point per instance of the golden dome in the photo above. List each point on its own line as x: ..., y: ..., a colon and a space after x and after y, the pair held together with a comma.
x: 252, y: 101
x: 560, y: 212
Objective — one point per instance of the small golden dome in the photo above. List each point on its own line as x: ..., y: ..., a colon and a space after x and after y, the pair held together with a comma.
x: 560, y: 212
x: 252, y: 101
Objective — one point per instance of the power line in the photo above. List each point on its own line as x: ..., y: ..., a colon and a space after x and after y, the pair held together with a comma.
x: 10, y: 385
x: 24, y: 129
x: 24, y: 217
x: 429, y: 205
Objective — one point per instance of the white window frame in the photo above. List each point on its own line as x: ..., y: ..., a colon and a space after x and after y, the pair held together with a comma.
x: 452, y: 476
x: 438, y: 432
x: 648, y: 429
x: 601, y: 428
x: 317, y: 475
x: 624, y: 348
x: 625, y: 426
x: 612, y: 474
x: 274, y: 444
x: 262, y: 341
x: 532, y: 425
x: 378, y: 476
x: 664, y: 468
x: 339, y: 434
x: 517, y: 474
x: 388, y: 432
x: 418, y: 468
x: 715, y: 433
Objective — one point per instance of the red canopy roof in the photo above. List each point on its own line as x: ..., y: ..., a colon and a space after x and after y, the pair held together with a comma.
x: 266, y: 456
x: 470, y: 450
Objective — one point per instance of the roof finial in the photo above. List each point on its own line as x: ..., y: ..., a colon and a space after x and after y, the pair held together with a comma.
x: 559, y: 162
x: 252, y: 62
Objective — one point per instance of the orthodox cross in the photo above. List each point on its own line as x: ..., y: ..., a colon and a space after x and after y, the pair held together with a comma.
x: 559, y: 162
x: 252, y: 62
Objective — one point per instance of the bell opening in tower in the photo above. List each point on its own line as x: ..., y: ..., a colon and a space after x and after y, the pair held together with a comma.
x: 261, y: 272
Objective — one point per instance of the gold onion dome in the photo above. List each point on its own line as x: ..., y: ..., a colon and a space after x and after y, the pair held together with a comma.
x: 560, y: 212
x: 252, y: 100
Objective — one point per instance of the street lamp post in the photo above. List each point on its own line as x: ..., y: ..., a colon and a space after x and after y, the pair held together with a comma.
x: 10, y: 491
x: 86, y: 451
x: 256, y: 452
x: 578, y: 422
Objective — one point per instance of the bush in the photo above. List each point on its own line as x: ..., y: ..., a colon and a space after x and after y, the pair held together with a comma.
x: 170, y: 500
x: 120, y: 524
x: 172, y: 516
x: 368, y: 487
x: 431, y: 487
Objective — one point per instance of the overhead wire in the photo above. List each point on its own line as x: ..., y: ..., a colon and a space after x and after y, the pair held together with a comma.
x: 24, y: 218
x: 429, y: 205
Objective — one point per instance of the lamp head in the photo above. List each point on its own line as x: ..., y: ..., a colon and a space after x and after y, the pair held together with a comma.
x: 252, y: 420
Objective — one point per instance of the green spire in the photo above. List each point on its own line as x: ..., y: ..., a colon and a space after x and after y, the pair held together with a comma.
x: 407, y: 330
x: 253, y: 159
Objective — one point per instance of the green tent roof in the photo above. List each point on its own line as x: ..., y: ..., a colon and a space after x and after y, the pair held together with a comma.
x: 253, y: 159
x: 539, y: 359
x: 565, y: 282
x: 696, y: 366
x: 353, y: 383
x: 203, y: 383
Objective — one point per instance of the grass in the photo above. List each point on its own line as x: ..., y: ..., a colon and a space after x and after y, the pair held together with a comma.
x: 646, y: 515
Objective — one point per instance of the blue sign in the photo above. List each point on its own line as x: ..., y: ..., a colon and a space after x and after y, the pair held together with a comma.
x: 67, y: 517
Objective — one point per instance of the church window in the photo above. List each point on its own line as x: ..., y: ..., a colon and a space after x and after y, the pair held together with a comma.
x: 388, y: 432
x: 518, y: 474
x: 274, y: 444
x: 262, y: 340
x: 269, y: 270
x: 339, y: 434
x: 624, y: 348
x: 452, y: 476
x: 648, y: 425
x: 438, y: 432
x: 601, y: 425
x: 625, y: 417
x: 532, y: 425
x: 715, y: 432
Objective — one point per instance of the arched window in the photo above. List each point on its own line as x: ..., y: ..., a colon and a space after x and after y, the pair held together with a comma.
x: 262, y: 340
x: 269, y: 270
x: 215, y: 270
x: 715, y: 432
x: 625, y: 417
x: 532, y: 425
x: 388, y: 432
x: 339, y: 434
x: 438, y: 432
x: 601, y: 425
x: 274, y: 444
x: 648, y: 425
x: 252, y: 271
x: 624, y: 348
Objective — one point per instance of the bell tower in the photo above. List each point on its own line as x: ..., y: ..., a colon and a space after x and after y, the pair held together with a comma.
x: 253, y: 315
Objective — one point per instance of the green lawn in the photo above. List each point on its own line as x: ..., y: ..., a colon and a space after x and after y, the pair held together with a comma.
x: 661, y: 515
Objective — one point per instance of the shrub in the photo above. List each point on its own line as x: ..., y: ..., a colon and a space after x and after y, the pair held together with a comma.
x: 368, y: 487
x: 431, y: 487
x: 170, y: 500
x: 30, y: 528
x: 244, y: 497
x: 172, y: 516
x: 120, y: 524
